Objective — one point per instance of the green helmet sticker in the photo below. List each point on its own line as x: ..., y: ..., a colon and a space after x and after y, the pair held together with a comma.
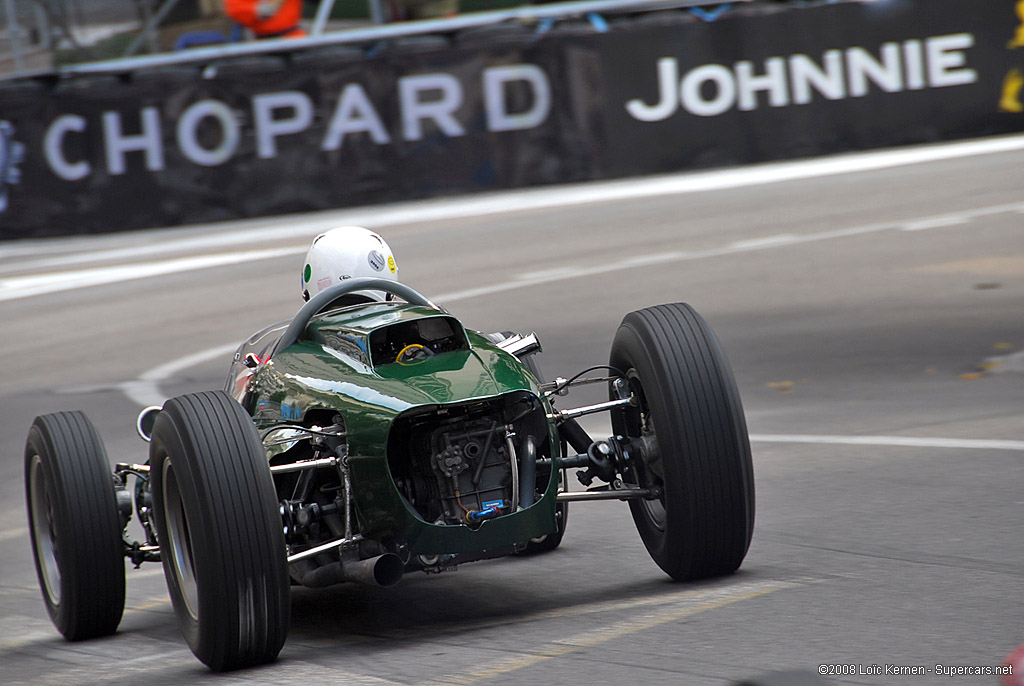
x: 307, y: 274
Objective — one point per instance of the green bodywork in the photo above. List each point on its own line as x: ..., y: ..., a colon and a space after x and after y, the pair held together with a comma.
x: 330, y: 369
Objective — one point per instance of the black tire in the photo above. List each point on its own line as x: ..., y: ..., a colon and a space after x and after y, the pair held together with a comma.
x: 548, y: 542
x: 702, y: 525
x: 220, y: 532
x: 74, y: 525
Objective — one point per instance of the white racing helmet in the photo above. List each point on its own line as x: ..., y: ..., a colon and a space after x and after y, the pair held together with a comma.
x: 347, y: 252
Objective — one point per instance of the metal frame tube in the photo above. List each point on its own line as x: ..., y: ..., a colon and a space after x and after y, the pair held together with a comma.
x: 303, y: 466
x: 514, y: 463
x: 528, y: 480
x: 325, y: 548
x: 389, y: 31
x: 562, y: 415
x: 323, y: 12
x: 152, y: 22
x: 347, y: 480
x: 620, y: 494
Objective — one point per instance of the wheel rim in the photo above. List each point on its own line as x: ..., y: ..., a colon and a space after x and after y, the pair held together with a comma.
x: 43, y: 532
x: 179, y: 547
x: 654, y: 509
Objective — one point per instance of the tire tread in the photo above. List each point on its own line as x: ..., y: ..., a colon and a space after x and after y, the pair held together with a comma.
x: 89, y: 528
x: 227, y: 468
x: 712, y: 510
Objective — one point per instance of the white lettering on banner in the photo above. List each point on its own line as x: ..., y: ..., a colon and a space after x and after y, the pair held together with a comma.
x: 709, y: 90
x: 189, y: 124
x: 945, y: 53
x: 862, y: 67
x: 805, y: 74
x: 913, y: 58
x: 117, y: 143
x: 692, y: 90
x: 437, y: 98
x: 427, y: 99
x: 668, y: 77
x: 498, y: 116
x: 774, y: 82
x: 354, y: 114
x: 53, y: 148
x: 441, y: 110
x: 268, y: 127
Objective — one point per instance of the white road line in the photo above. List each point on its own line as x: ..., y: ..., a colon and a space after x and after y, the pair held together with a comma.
x: 502, y: 202
x: 146, y: 389
x: 17, y: 287
x: 937, y: 223
x: 39, y: 284
x: 1002, y: 364
x: 893, y: 441
x: 767, y: 243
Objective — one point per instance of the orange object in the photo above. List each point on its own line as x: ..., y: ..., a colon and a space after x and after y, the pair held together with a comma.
x: 267, y: 18
x: 1015, y: 661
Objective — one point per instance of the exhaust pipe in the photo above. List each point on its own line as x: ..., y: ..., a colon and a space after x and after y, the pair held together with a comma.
x: 384, y: 570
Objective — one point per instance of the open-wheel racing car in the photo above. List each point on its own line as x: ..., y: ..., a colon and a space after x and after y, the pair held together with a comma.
x: 363, y: 442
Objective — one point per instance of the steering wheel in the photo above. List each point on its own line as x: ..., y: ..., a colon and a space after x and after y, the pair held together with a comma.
x: 413, y: 353
x: 321, y: 300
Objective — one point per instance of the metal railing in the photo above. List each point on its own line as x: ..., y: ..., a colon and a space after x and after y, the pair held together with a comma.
x: 321, y: 37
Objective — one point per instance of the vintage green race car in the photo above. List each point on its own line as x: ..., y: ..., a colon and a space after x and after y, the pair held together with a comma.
x: 363, y: 442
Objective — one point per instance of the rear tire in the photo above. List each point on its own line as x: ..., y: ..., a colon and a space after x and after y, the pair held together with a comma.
x: 220, y: 532
x: 548, y: 542
x: 703, y: 522
x: 74, y: 526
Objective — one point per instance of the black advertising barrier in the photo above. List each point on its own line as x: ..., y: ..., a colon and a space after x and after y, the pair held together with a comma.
x: 337, y: 126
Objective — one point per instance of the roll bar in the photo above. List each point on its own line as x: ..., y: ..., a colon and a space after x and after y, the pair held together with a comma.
x: 325, y: 297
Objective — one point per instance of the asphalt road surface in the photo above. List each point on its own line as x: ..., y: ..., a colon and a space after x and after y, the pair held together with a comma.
x: 875, y: 324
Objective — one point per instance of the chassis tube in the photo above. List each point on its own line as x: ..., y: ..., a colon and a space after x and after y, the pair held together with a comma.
x: 514, y: 463
x: 528, y: 480
x: 326, y: 547
x: 619, y: 494
x: 575, y: 435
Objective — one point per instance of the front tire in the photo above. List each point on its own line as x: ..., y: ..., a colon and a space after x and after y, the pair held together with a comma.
x: 220, y: 532
x: 74, y: 526
x: 690, y: 414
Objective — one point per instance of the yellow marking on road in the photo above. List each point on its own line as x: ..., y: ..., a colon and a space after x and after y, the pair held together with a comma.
x: 689, y: 604
x: 553, y: 613
x: 44, y: 634
x: 10, y: 534
x: 148, y: 606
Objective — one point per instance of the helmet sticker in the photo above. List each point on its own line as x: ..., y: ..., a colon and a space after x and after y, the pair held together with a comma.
x: 391, y: 264
x: 323, y: 283
x: 307, y: 274
x: 376, y: 260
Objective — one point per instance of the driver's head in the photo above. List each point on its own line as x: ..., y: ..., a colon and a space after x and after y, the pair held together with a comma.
x: 347, y: 252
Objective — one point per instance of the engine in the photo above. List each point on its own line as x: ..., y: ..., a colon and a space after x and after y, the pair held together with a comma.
x: 467, y: 463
